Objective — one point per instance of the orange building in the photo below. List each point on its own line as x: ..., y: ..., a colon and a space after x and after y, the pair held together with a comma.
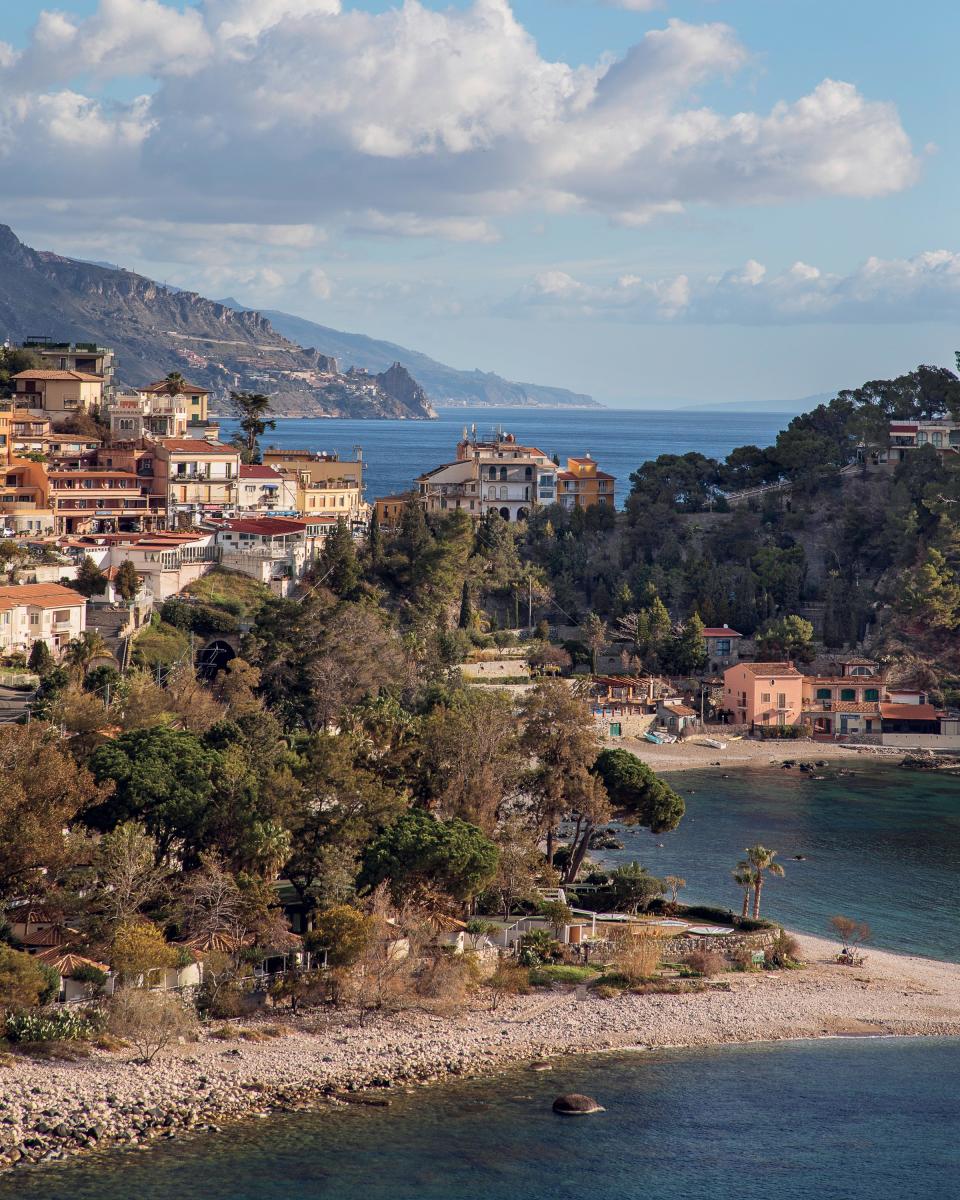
x: 583, y: 485
x: 389, y: 509
x: 763, y: 693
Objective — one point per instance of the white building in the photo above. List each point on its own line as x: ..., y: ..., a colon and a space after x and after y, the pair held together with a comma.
x: 40, y: 612
x: 262, y: 489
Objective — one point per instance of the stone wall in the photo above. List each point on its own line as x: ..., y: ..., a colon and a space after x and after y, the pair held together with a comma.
x: 722, y: 944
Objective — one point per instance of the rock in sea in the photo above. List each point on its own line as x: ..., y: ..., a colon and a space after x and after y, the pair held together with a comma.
x: 575, y: 1105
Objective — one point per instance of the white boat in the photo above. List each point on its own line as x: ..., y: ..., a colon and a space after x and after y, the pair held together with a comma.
x: 714, y: 743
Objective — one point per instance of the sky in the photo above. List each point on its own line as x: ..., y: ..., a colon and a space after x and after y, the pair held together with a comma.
x: 647, y: 200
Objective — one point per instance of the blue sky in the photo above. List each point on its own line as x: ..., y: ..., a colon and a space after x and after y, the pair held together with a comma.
x: 736, y: 199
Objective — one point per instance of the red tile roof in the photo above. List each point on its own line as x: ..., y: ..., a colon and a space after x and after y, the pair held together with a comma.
x: 712, y: 632
x: 908, y: 712
x: 80, y: 376
x: 258, y: 471
x: 769, y: 668
x: 264, y: 526
x: 160, y: 386
x: 43, y: 595
x: 180, y: 445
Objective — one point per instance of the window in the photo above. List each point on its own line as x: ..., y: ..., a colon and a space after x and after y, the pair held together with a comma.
x: 921, y: 438
x: 823, y: 693
x: 503, y: 472
x: 503, y: 493
x: 781, y: 700
x: 493, y: 472
x: 722, y: 646
x: 62, y: 616
x: 937, y: 439
x: 764, y: 697
x: 871, y: 694
x: 34, y: 618
x: 848, y: 694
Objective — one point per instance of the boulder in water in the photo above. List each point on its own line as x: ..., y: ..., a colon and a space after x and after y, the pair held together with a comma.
x: 573, y: 1104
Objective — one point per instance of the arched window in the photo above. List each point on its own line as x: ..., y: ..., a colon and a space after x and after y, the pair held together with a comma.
x: 503, y: 493
x: 505, y: 513
x: 528, y: 473
x: 493, y: 472
x: 503, y: 472
x: 491, y: 493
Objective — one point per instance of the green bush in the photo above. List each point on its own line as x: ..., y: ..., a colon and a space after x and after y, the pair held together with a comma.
x: 537, y: 948
x: 65, y: 1025
x: 561, y: 973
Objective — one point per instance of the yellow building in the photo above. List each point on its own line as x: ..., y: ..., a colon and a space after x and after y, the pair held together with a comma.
x: 583, y: 485
x: 192, y: 397
x: 199, y: 476
x: 24, y: 497
x: 326, y: 484
x: 59, y: 394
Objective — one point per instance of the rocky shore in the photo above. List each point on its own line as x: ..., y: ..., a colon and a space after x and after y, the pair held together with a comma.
x: 51, y: 1109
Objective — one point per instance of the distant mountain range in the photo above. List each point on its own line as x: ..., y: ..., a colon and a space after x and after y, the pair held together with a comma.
x: 155, y: 329
x: 446, y: 386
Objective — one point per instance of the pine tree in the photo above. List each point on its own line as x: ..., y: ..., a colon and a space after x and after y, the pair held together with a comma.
x: 466, y: 608
x: 127, y: 582
x: 90, y: 580
x: 340, y: 567
x: 375, y: 539
x: 40, y: 660
x: 691, y: 649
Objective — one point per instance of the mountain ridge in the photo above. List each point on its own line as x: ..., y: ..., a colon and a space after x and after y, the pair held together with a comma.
x: 446, y: 385
x: 155, y: 329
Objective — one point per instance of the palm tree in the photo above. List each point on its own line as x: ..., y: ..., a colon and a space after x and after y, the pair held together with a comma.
x: 743, y: 877
x: 252, y: 408
x: 174, y: 384
x: 759, y: 860
x: 83, y: 650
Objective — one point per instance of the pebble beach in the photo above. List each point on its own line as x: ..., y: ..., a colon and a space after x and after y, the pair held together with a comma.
x: 49, y: 1110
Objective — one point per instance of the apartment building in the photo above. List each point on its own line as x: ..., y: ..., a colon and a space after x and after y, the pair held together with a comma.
x: 583, y: 484
x: 496, y: 474
x: 192, y: 399
x: 326, y: 484
x: 196, y: 476
x: 262, y: 489
x: 39, y: 612
x: 102, y: 499
x: 768, y: 693
x: 86, y: 357
x: 165, y: 562
x: 906, y: 437
x: 60, y: 395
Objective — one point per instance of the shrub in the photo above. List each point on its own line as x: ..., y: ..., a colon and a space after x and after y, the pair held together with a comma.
x: 149, y: 1020
x: 62, y: 1026
x: 509, y: 979
x: 561, y: 973
x: 23, y: 981
x: 606, y: 991
x: 784, y: 953
x: 636, y: 954
x: 537, y: 948
x: 704, y: 962
x: 342, y: 932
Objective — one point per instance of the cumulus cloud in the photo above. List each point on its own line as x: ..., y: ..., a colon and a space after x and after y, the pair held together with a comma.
x: 923, y: 288
x: 425, y: 123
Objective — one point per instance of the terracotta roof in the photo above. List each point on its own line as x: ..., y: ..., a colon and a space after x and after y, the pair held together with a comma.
x: 42, y: 595
x: 264, y: 526
x: 586, y: 459
x: 908, y: 712
x: 847, y: 680
x: 851, y: 706
x: 160, y: 386
x: 684, y: 710
x: 66, y: 962
x: 770, y: 668
x: 258, y: 471
x: 713, y: 632
x: 80, y: 376
x: 49, y: 937
x: 180, y: 445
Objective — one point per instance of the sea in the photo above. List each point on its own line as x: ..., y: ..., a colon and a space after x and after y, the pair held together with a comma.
x: 396, y: 452
x: 838, y: 1119
x: 842, y: 1119
x: 877, y: 843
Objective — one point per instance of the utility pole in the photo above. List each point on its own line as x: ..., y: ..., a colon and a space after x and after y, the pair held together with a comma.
x: 529, y: 600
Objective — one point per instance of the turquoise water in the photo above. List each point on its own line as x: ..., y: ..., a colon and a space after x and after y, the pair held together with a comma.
x: 620, y: 439
x: 880, y: 844
x: 831, y: 1120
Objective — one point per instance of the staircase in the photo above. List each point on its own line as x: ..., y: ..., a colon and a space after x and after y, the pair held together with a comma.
x: 113, y: 625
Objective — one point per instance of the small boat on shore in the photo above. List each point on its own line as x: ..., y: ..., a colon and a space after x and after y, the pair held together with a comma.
x: 717, y: 745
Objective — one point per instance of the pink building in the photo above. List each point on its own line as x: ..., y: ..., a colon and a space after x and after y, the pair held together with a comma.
x: 763, y: 693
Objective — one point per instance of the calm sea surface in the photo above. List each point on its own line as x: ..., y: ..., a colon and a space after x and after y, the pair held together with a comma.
x: 831, y: 1120
x: 620, y: 439
x: 879, y: 843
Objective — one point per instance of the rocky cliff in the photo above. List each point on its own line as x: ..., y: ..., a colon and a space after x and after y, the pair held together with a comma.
x: 155, y: 329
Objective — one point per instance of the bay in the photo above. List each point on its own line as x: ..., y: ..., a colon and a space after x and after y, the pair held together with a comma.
x: 878, y: 843
x: 866, y: 1119
x: 396, y: 452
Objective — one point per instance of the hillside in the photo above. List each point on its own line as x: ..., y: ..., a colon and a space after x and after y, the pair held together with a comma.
x: 445, y: 385
x: 155, y: 330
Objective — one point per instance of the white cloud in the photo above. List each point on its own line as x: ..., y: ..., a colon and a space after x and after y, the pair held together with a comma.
x: 426, y: 123
x: 923, y: 288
